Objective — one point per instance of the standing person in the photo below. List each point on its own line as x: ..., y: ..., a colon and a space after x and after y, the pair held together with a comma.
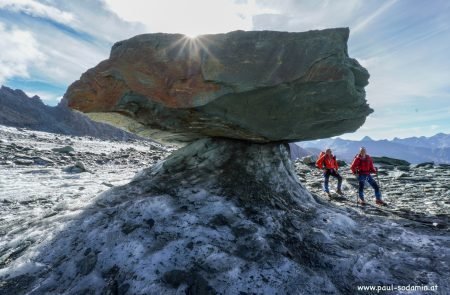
x: 362, y: 166
x: 327, y: 162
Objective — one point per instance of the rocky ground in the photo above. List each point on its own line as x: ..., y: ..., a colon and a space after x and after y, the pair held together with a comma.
x: 418, y: 193
x: 77, y: 220
x: 46, y: 178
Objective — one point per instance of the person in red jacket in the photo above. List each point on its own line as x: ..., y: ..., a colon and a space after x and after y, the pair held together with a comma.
x: 327, y: 162
x: 362, y: 166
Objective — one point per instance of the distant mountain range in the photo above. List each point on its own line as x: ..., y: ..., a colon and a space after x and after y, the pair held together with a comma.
x: 412, y: 149
x: 19, y: 110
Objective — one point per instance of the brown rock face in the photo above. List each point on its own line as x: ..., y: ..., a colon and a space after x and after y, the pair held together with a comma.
x: 259, y: 86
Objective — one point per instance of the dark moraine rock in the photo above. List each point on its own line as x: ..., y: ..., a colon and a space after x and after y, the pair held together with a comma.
x: 425, y: 165
x: 390, y: 161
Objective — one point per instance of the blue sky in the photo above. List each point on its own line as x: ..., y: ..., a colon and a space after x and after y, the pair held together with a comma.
x: 405, y: 44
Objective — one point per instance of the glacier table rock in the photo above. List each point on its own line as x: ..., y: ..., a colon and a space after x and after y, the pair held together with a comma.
x: 260, y: 86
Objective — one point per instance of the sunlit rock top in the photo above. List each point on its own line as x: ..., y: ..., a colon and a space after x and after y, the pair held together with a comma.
x: 259, y: 86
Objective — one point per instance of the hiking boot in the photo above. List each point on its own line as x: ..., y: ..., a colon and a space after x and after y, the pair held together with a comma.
x: 361, y: 202
x: 339, y: 192
x: 380, y: 202
x: 328, y: 194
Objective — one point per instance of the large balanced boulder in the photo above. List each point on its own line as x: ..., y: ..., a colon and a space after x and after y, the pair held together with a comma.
x: 260, y: 86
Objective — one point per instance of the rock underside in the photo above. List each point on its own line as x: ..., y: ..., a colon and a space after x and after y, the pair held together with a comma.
x: 258, y: 86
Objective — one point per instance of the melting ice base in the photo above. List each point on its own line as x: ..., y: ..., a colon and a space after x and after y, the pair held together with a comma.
x: 57, y: 237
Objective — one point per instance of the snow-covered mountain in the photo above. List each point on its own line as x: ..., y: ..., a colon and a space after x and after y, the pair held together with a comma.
x: 19, y: 110
x: 440, y: 140
x: 413, y: 149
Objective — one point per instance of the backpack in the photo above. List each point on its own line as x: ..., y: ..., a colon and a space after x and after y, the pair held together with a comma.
x: 320, y: 155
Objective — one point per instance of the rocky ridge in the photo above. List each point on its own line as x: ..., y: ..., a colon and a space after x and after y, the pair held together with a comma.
x: 19, y: 110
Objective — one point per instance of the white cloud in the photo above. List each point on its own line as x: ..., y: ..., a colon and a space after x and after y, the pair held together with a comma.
x: 297, y: 16
x: 38, y: 9
x: 45, y: 96
x: 20, y: 52
x: 361, y: 25
x: 59, y: 53
x: 68, y: 57
x: 401, y: 76
x: 188, y: 17
x: 96, y: 20
x: 85, y: 16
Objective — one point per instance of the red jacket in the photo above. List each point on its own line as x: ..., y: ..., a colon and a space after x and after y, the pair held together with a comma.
x: 363, y: 166
x: 329, y: 162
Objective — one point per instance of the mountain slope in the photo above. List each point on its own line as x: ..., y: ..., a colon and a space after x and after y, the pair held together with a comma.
x: 296, y: 151
x: 19, y: 110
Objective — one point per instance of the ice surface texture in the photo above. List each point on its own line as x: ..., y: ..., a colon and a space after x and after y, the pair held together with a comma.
x: 190, y: 225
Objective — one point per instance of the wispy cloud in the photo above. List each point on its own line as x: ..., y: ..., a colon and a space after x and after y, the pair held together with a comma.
x: 19, y: 54
x: 192, y: 17
x: 361, y: 25
x: 56, y: 41
x: 296, y: 16
x: 38, y: 9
